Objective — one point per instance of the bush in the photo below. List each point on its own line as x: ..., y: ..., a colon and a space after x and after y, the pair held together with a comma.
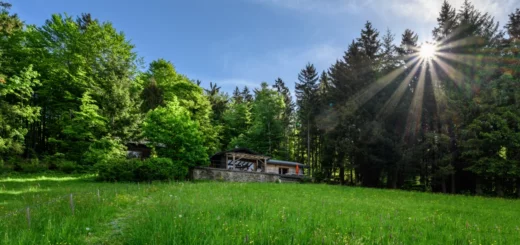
x: 117, y: 169
x: 58, y: 162
x: 104, y: 150
x: 32, y: 166
x: 138, y: 170
x: 68, y: 167
x: 161, y: 169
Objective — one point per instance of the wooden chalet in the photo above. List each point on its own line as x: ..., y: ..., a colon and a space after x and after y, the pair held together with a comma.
x: 243, y: 159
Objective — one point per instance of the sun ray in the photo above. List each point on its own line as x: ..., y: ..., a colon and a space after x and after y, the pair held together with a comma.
x: 413, y: 122
x: 366, y: 94
x: 460, y: 43
x: 438, y: 93
x: 487, y: 63
x: 454, y: 75
x: 392, y: 103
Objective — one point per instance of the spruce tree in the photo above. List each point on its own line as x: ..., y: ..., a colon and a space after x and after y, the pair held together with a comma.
x: 513, y: 26
x: 306, y: 91
x: 446, y: 23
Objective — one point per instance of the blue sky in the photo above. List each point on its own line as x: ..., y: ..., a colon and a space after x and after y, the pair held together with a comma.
x: 245, y: 42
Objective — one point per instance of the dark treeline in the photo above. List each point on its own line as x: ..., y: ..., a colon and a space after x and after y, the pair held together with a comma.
x: 388, y: 114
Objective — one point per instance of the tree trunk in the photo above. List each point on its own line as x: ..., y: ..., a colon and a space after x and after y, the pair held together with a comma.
x: 342, y: 174
x: 478, y: 186
x: 352, y: 177
x: 443, y: 184
x: 518, y: 187
x: 309, y: 146
x: 498, y: 186
x: 395, y: 175
x: 453, y: 183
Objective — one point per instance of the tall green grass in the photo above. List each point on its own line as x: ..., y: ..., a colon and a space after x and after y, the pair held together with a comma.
x: 247, y: 213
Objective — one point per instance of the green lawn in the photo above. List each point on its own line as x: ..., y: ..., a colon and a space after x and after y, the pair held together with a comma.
x: 239, y: 213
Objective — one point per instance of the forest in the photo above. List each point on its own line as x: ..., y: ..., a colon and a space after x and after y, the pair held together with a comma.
x: 441, y: 116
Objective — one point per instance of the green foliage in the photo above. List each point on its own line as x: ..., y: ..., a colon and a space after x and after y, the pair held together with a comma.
x: 166, y: 85
x: 120, y: 170
x: 71, y: 94
x: 117, y: 169
x: 104, y: 150
x: 266, y: 132
x: 32, y: 166
x: 237, y: 120
x: 15, y: 94
x: 68, y: 167
x: 161, y: 169
x: 173, y: 133
x: 83, y: 128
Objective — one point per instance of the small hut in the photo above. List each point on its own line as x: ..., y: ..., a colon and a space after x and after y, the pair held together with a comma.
x: 243, y: 159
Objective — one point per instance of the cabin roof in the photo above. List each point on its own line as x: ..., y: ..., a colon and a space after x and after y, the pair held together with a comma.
x: 235, y: 150
x: 245, y: 153
x: 286, y: 163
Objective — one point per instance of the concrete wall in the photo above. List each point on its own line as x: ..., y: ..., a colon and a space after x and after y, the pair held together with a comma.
x: 201, y: 173
x: 273, y: 168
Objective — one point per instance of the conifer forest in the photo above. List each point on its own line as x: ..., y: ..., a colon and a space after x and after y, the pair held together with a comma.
x: 436, y: 116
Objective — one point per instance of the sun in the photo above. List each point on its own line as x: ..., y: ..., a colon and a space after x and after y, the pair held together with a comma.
x: 427, y: 51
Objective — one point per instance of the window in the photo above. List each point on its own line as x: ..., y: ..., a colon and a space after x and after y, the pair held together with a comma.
x: 283, y: 170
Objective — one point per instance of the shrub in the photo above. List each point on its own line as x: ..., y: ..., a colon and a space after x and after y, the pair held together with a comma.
x: 104, y: 150
x: 117, y: 169
x: 58, y: 162
x: 68, y: 167
x: 175, y: 134
x: 32, y: 166
x: 137, y: 170
x: 161, y: 169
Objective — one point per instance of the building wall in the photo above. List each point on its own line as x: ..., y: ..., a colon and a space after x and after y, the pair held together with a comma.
x: 233, y: 176
x: 273, y: 168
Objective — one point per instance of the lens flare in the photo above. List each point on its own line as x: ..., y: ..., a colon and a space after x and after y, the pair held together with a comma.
x: 428, y: 51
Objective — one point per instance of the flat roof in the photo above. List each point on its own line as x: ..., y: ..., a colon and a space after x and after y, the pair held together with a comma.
x: 286, y: 163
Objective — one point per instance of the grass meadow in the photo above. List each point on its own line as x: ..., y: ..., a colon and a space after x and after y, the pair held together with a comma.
x: 40, y: 210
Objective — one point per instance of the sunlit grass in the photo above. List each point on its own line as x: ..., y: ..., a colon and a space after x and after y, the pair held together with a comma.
x: 252, y: 213
x: 44, y: 178
x: 22, y: 191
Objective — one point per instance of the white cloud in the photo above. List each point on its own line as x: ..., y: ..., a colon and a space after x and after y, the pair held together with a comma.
x: 427, y: 10
x: 423, y: 11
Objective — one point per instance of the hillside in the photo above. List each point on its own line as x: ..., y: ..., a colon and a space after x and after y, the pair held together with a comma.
x: 238, y: 213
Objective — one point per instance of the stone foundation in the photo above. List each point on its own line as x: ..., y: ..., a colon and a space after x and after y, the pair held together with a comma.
x: 219, y: 174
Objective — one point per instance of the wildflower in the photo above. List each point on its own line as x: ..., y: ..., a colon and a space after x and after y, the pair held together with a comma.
x: 88, y: 229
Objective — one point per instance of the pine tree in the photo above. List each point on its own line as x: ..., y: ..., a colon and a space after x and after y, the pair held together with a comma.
x: 237, y: 95
x: 284, y: 91
x: 408, y: 44
x: 306, y: 98
x: 246, y: 95
x: 446, y: 23
x: 388, y: 56
x: 369, y: 41
x: 513, y: 26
